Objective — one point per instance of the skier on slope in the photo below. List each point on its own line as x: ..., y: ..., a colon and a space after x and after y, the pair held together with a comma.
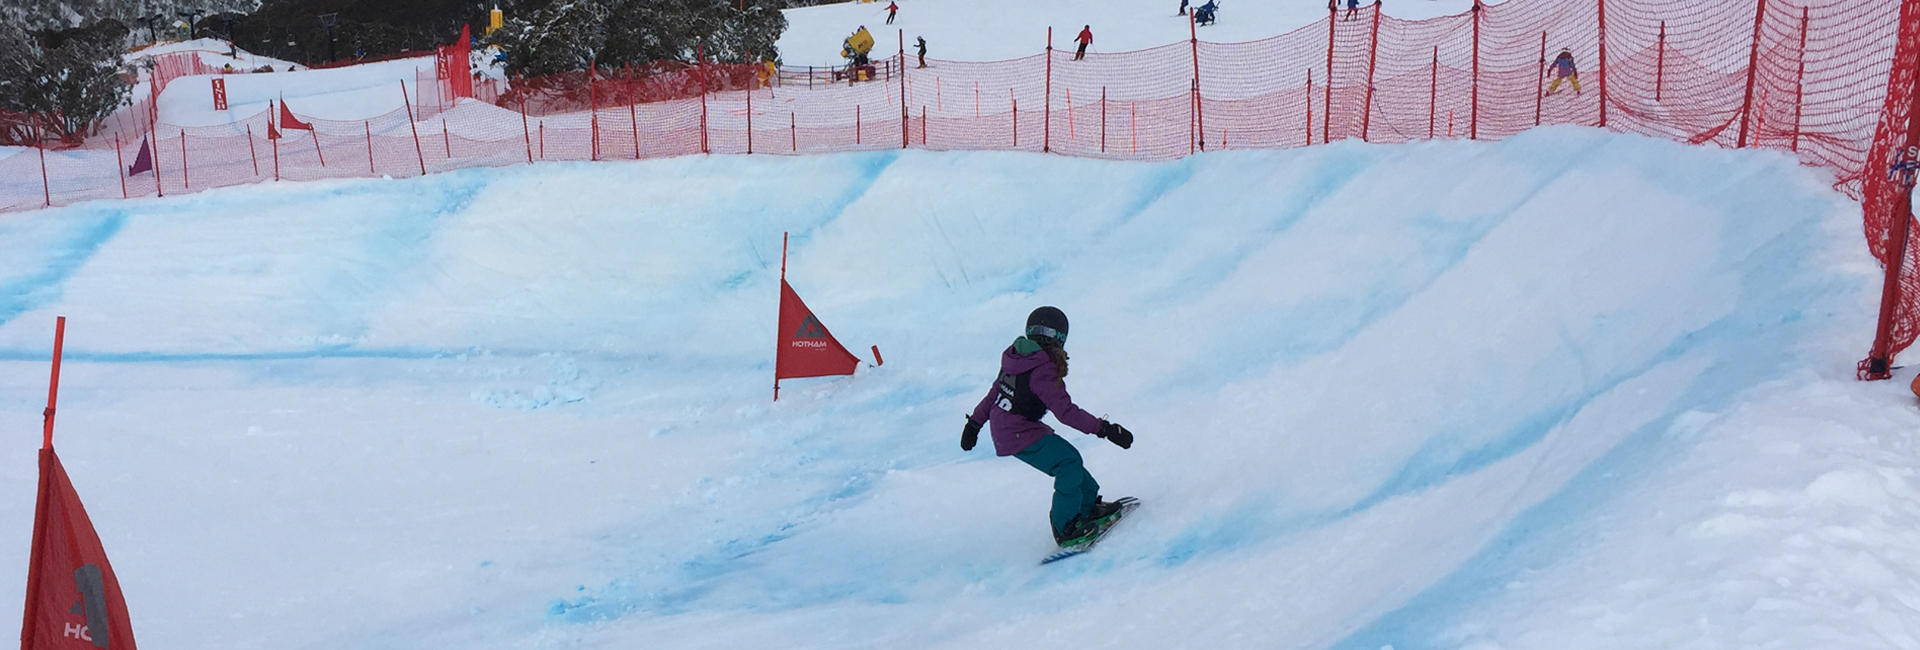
x: 921, y: 42
x: 1031, y: 383
x: 892, y: 8
x: 1562, y: 70
x: 1084, y: 39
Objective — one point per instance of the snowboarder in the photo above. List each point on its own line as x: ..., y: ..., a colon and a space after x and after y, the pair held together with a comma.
x: 921, y: 43
x: 1203, y: 14
x: 1084, y: 39
x: 1353, y: 9
x: 892, y: 8
x: 1032, y: 382
x: 1563, y: 70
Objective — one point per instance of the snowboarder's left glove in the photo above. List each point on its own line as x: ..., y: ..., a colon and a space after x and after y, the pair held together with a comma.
x: 970, y: 436
x: 1116, y: 434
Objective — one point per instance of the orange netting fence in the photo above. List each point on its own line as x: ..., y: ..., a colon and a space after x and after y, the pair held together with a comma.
x: 1816, y: 78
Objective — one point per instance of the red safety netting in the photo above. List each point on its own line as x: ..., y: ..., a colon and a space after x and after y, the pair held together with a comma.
x: 1807, y: 77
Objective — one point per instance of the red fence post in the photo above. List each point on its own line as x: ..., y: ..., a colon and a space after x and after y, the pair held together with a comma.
x: 417, y: 151
x: 906, y: 113
x: 121, y: 164
x: 633, y: 122
x: 1433, y: 90
x: 186, y: 173
x: 526, y: 132
x: 1473, y: 111
x: 1103, y: 119
x: 1540, y: 78
x: 1046, y: 109
x: 749, y: 121
x: 1753, y: 60
x: 593, y: 111
x: 1660, y: 62
x: 368, y: 125
x: 159, y: 188
x: 1373, y: 49
x: 46, y: 185
x: 543, y: 139
x: 793, y: 131
x: 701, y: 54
x: 1603, y: 63
x: 446, y: 137
x: 1016, y: 118
x: 1199, y: 110
x: 1326, y: 107
x: 252, y: 153
x: 856, y: 124
x: 276, y: 156
x: 1799, y: 81
x: 316, y: 145
x: 1309, y: 107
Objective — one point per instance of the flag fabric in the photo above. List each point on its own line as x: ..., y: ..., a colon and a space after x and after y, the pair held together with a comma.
x: 143, y: 162
x: 288, y: 121
x: 73, y: 599
x: 807, y: 349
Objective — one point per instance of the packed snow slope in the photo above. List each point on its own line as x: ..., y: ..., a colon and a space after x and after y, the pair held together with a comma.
x: 1384, y: 395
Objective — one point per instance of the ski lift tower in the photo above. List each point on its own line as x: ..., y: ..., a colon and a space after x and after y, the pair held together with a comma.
x: 328, y: 22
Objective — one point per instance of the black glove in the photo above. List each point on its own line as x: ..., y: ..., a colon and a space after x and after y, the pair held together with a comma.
x: 969, y: 436
x: 1116, y: 434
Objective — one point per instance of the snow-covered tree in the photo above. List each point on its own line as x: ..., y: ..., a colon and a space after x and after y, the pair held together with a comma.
x: 70, y: 77
x: 567, y: 34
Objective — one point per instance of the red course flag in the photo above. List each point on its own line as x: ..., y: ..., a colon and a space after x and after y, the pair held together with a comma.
x: 288, y: 121
x: 73, y: 598
x: 807, y: 349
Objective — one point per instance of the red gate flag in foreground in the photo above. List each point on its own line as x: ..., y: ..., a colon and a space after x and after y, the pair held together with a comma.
x: 807, y: 349
x: 73, y: 598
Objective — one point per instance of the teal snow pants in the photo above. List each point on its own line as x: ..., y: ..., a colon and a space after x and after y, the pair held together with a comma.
x: 1074, y: 490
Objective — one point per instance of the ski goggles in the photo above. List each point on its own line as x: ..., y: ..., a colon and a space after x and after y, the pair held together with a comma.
x: 1042, y: 330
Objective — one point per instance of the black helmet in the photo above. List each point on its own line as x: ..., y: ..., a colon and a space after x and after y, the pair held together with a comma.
x: 1048, y: 323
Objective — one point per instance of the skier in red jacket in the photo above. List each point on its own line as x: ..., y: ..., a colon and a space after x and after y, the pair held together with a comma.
x: 892, y: 8
x: 1084, y: 39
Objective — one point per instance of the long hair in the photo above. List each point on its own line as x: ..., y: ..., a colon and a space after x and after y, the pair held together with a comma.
x: 1056, y: 353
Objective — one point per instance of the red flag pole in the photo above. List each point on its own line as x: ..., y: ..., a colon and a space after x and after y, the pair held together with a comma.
x: 53, y: 385
x: 783, y: 283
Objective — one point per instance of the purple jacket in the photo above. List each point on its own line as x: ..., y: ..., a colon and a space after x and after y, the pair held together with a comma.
x: 1012, y: 433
